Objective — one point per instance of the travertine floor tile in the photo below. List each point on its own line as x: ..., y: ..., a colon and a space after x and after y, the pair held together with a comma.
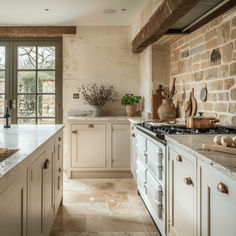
x: 102, y: 207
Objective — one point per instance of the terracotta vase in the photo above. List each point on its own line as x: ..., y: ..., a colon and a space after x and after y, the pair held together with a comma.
x: 167, y: 110
x: 131, y: 110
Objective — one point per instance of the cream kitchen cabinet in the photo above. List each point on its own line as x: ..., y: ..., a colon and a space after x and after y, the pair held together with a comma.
x: 88, y: 145
x: 99, y: 148
x: 30, y: 192
x: 120, y: 146
x: 216, y: 201
x: 44, y: 196
x: 182, y: 193
x: 133, y: 155
x: 13, y: 207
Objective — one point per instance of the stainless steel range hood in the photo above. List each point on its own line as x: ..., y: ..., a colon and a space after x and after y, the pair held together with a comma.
x: 201, y: 14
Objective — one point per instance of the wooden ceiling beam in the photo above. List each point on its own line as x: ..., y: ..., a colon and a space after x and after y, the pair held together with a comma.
x: 36, y: 31
x: 162, y: 19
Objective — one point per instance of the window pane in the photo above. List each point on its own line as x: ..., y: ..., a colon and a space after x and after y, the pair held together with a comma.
x: 46, y: 82
x: 2, y: 81
x: 46, y: 105
x: 2, y: 58
x: 26, y: 58
x: 26, y: 106
x: 27, y: 121
x: 46, y: 58
x: 46, y: 121
x: 2, y: 105
x: 26, y: 82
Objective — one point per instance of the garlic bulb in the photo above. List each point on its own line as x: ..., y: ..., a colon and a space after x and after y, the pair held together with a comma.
x: 217, y: 139
x: 226, y: 141
x: 234, y: 141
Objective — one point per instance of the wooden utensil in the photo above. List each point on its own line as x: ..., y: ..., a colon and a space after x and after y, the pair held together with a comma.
x: 188, y: 107
x: 194, y: 103
x: 156, y: 102
x: 172, y: 89
x: 220, y: 148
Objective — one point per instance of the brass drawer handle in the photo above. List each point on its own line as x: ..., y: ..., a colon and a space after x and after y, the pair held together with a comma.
x: 59, y: 139
x: 46, y: 164
x: 222, y: 188
x: 179, y: 158
x: 91, y: 126
x: 133, y: 135
x: 188, y: 181
x: 74, y: 131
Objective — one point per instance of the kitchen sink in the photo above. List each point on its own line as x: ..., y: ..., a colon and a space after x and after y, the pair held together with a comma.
x: 7, y: 153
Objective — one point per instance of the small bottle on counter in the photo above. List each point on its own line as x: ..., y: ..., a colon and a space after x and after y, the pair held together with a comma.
x: 7, y: 118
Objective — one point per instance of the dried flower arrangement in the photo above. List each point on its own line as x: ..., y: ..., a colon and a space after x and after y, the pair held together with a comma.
x: 97, y: 95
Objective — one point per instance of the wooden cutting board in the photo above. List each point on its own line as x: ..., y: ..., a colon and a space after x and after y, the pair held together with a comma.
x: 220, y: 148
x: 156, y: 102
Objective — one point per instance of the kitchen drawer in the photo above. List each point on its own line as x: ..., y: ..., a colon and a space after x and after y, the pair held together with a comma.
x: 141, y: 144
x: 141, y: 176
x: 155, y: 195
x: 155, y: 160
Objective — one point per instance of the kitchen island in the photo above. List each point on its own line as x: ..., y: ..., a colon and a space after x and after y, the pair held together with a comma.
x: 30, y: 179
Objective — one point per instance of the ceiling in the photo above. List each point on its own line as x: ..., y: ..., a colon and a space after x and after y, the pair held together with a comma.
x: 68, y: 12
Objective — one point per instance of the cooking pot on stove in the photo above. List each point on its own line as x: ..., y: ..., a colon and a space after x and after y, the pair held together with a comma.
x: 201, y: 122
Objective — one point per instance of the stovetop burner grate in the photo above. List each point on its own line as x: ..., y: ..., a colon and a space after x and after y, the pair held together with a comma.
x: 161, y: 130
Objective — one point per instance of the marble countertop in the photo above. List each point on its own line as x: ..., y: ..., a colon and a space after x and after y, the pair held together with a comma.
x: 26, y: 138
x: 100, y: 118
x: 224, y: 162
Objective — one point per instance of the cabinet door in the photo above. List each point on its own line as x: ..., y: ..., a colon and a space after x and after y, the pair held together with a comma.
x: 133, y: 157
x: 13, y: 206
x: 141, y: 147
x: 182, y: 196
x: 48, y: 188
x: 36, y: 197
x: 120, y: 146
x: 217, y: 202
x: 88, y: 146
x: 58, y: 170
x: 155, y: 160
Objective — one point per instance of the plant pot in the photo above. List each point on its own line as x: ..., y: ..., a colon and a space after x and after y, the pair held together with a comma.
x: 97, y: 111
x: 131, y: 110
x: 167, y: 110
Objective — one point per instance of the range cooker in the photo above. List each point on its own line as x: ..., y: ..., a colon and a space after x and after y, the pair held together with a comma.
x: 152, y: 164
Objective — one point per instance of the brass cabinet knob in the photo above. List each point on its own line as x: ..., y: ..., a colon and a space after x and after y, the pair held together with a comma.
x: 133, y: 135
x: 59, y: 139
x: 46, y: 164
x: 91, y: 126
x: 188, y: 181
x: 59, y: 169
x: 222, y: 188
x: 179, y: 158
x: 74, y: 131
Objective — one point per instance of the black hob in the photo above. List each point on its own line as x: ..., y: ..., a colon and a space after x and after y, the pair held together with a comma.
x: 160, y: 130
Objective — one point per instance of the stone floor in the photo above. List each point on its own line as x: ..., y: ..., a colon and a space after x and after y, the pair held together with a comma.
x: 104, y: 207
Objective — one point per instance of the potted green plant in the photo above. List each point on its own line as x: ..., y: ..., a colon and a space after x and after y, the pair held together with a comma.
x: 130, y: 101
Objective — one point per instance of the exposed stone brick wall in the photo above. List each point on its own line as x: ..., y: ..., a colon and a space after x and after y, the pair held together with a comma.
x: 207, y: 58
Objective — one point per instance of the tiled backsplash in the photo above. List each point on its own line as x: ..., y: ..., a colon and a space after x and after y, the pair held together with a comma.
x: 207, y: 58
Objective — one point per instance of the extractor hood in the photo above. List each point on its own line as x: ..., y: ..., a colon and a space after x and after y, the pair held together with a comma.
x: 200, y: 14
